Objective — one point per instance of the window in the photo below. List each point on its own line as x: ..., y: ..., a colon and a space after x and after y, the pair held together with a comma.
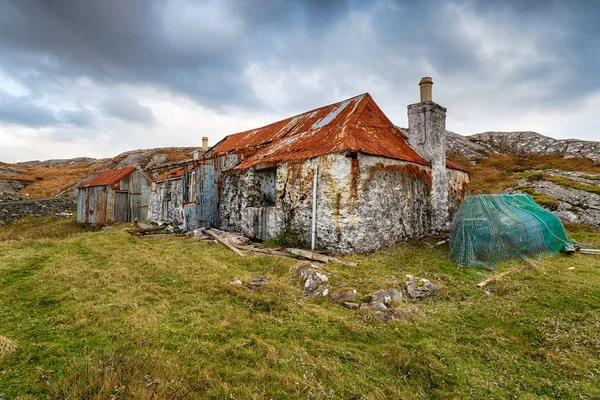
x: 267, y: 186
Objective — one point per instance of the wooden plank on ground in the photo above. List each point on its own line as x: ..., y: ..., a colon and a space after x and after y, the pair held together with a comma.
x: 225, y: 242
x: 590, y: 251
x: 498, y: 277
x: 311, y: 255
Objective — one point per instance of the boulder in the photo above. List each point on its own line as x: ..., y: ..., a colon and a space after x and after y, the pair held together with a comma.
x: 321, y: 291
x: 344, y: 295
x: 258, y: 283
x: 387, y: 296
x: 350, y: 305
x: 311, y: 276
x: 236, y: 282
x: 420, y: 289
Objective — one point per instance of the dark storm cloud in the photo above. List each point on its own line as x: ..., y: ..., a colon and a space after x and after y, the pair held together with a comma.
x: 203, y: 49
x: 196, y: 48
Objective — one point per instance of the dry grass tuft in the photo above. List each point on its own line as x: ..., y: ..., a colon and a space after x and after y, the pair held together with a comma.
x: 6, y: 347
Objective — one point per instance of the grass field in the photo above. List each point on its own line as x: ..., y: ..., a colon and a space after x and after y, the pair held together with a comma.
x: 101, y: 315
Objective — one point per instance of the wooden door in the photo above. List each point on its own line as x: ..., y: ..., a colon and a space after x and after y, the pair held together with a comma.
x: 121, y: 207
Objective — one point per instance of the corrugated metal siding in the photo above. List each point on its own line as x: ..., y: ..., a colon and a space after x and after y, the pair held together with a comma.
x: 92, y: 205
x: 208, y: 182
x: 81, y: 204
x: 121, y: 207
x: 190, y: 221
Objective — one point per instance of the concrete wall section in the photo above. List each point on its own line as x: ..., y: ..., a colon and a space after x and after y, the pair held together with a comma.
x: 363, y: 203
x: 165, y: 201
x: 393, y: 206
x: 458, y: 190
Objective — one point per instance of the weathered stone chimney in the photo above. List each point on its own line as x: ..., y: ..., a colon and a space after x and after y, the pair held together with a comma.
x: 204, y: 144
x: 427, y: 135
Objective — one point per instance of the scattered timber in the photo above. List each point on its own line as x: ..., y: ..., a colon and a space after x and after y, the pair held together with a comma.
x: 225, y: 242
x: 160, y: 236
x: 134, y: 231
x: 590, y: 251
x: 498, y: 277
x: 311, y: 255
x: 264, y: 251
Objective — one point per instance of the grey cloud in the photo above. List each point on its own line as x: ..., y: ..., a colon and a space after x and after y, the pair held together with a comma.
x: 80, y: 117
x: 24, y: 111
x: 128, y: 109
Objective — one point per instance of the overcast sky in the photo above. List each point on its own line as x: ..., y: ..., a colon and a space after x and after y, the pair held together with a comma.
x: 95, y: 78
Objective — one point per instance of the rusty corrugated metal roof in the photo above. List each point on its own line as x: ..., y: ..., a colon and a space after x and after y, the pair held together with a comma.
x: 355, y: 124
x: 109, y: 177
x: 174, y: 173
x: 451, y: 164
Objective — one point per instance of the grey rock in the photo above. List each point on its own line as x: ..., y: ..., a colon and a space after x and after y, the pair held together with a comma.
x: 258, y: 283
x: 387, y: 296
x: 350, y: 305
x: 402, y: 311
x: 311, y: 276
x: 236, y: 282
x: 384, y: 316
x: 420, y: 289
x: 344, y: 295
x: 321, y: 291
x: 374, y: 306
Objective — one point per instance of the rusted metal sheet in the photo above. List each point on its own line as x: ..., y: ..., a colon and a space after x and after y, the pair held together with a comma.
x: 110, y: 177
x: 92, y: 205
x: 190, y: 221
x: 96, y: 203
x: 121, y: 209
x: 208, y: 182
x: 451, y: 164
x: 355, y: 124
x: 174, y: 173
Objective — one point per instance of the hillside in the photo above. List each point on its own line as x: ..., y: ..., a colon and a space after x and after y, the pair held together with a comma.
x: 561, y: 175
x: 44, y: 179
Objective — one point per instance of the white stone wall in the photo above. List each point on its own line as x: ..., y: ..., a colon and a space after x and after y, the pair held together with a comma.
x: 363, y: 203
x: 165, y: 201
x: 458, y: 190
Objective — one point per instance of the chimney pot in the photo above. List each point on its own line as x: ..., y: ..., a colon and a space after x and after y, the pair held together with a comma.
x: 205, y: 144
x: 425, y: 85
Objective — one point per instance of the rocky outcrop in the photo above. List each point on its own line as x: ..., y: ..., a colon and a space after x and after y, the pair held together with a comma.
x: 533, y: 143
x: 576, y: 195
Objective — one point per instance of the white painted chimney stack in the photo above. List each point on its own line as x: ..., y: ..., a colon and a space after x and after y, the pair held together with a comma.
x: 427, y: 135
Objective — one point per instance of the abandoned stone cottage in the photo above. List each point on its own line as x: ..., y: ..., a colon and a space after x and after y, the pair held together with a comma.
x: 343, y: 177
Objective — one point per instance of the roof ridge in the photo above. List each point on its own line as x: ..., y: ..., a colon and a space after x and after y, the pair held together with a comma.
x: 350, y: 139
x: 299, y: 114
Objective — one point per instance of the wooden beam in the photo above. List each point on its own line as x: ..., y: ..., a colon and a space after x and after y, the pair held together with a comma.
x: 225, y: 242
x: 590, y: 251
x: 498, y: 277
x: 311, y: 255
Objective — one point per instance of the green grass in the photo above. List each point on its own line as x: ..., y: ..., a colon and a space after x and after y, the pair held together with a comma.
x: 101, y: 314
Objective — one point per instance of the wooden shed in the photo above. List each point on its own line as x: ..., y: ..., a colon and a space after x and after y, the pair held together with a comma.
x: 117, y: 195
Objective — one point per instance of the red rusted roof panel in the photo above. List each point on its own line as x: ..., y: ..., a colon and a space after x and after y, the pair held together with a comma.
x: 451, y: 164
x: 109, y: 177
x: 174, y: 173
x: 354, y: 124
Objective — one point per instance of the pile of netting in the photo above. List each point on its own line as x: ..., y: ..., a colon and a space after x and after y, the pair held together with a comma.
x: 493, y: 227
